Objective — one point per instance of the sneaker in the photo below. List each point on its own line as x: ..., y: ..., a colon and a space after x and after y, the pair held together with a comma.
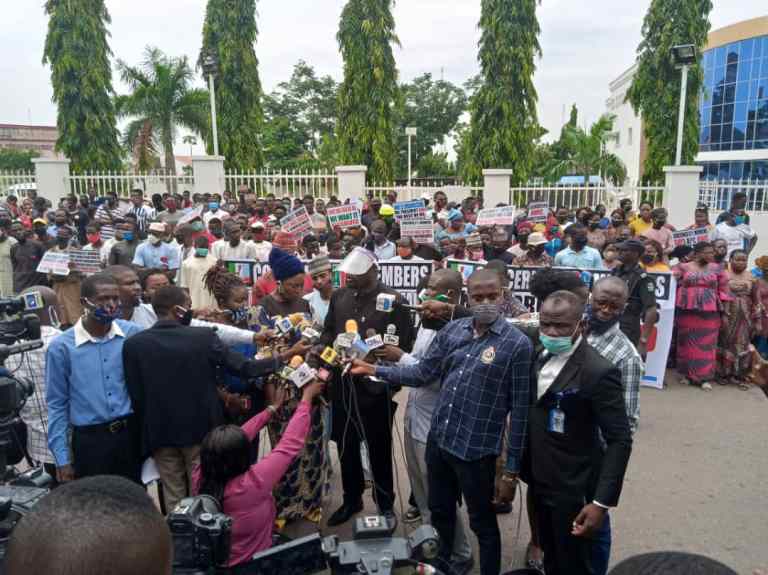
x: 412, y: 515
x: 706, y: 386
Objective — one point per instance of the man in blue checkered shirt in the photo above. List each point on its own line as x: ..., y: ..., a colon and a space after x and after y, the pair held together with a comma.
x: 483, y: 364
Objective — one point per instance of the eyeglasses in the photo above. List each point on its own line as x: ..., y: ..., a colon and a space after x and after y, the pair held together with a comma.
x: 607, y: 306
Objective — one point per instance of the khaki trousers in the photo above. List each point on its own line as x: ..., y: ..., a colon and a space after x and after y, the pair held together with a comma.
x: 175, y: 466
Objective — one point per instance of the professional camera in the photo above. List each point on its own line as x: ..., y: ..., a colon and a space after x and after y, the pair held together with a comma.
x: 201, y: 535
x: 14, y: 323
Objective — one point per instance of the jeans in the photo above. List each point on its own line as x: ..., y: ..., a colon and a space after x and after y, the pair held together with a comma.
x: 601, y: 547
x: 449, y: 478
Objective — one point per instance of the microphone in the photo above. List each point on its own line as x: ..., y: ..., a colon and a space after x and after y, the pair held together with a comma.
x: 387, y: 303
x: 390, y: 338
x: 302, y: 374
x: 373, y: 340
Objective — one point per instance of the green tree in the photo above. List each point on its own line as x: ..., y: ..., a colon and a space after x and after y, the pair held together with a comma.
x: 369, y: 95
x: 655, y: 89
x: 504, y: 125
x: 78, y: 53
x: 161, y: 100
x: 229, y: 34
x: 17, y: 160
x: 434, y: 107
x: 586, y: 155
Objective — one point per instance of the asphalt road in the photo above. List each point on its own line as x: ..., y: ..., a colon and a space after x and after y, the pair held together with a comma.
x: 695, y: 481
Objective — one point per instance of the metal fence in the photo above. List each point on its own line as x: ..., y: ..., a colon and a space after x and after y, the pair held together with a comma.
x: 17, y: 183
x: 454, y: 190
x: 717, y: 195
x: 122, y: 183
x: 285, y: 184
x: 574, y: 197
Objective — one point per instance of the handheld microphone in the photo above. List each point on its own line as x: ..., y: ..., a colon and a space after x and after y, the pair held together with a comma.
x: 373, y: 340
x: 390, y: 338
x: 387, y: 303
x: 302, y: 374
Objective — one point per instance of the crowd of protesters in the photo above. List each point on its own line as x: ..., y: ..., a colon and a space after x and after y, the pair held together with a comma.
x: 132, y: 368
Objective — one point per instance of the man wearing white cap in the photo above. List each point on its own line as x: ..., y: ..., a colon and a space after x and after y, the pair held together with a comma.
x: 155, y: 253
x: 359, y: 403
x: 259, y: 241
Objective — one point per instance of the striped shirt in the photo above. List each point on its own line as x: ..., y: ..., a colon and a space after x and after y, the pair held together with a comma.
x: 482, y: 381
x: 144, y: 214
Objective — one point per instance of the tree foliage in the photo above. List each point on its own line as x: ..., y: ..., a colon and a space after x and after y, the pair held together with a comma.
x: 504, y: 124
x: 17, y: 160
x: 161, y: 99
x: 369, y: 95
x: 434, y: 107
x: 229, y: 34
x: 582, y: 153
x: 655, y: 90
x: 78, y: 53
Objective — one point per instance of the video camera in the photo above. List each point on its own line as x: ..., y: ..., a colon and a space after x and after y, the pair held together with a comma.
x: 202, y: 536
x: 15, y: 324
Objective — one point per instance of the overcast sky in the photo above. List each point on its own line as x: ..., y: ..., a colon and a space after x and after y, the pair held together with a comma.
x: 585, y: 45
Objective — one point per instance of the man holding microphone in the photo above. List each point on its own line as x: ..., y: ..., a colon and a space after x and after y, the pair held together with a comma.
x: 483, y: 366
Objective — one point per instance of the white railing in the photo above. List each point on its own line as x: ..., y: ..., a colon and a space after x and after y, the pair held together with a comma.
x: 122, y: 183
x: 17, y: 183
x: 717, y: 194
x: 574, y: 197
x: 285, y: 184
x: 455, y: 192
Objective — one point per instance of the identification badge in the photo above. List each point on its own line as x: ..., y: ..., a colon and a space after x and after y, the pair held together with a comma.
x: 488, y: 356
x: 556, y: 420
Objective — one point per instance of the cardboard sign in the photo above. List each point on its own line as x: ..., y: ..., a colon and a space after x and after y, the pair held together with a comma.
x: 342, y: 217
x: 56, y: 263
x: 87, y: 262
x: 690, y: 237
x: 410, y: 210
x: 297, y: 223
x: 538, y: 212
x: 422, y: 231
x: 503, y: 216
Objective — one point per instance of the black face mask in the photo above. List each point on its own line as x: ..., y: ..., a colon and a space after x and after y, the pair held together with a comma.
x: 186, y: 318
x: 594, y: 226
x: 647, y: 258
x: 599, y: 326
x: 578, y: 242
x: 617, y: 223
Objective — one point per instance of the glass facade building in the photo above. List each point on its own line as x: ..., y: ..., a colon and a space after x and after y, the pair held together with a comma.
x: 733, y: 108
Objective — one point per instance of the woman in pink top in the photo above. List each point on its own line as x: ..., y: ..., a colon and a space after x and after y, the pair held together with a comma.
x: 245, y: 490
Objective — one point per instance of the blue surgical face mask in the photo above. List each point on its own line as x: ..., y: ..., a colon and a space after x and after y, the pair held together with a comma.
x: 198, y: 226
x: 558, y: 345
x: 201, y: 252
x: 740, y: 220
x: 104, y: 315
x: 128, y: 236
x: 239, y: 315
x: 213, y: 206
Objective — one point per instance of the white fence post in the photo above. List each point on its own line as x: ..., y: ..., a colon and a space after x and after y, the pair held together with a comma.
x: 496, y: 188
x: 681, y: 193
x: 351, y: 182
x: 209, y: 174
x: 52, y: 178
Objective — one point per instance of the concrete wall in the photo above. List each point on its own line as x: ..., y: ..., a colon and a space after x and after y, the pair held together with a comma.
x: 627, y: 127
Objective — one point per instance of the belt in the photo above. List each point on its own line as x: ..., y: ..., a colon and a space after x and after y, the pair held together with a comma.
x: 114, y: 426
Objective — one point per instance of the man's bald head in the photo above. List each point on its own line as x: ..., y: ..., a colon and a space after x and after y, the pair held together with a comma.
x: 565, y: 305
x: 617, y: 287
x: 101, y: 525
x: 446, y: 280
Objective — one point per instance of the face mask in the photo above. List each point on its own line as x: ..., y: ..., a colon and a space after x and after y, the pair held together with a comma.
x: 597, y: 325
x: 556, y: 345
x: 617, y: 223
x: 53, y: 316
x: 93, y: 238
x: 201, y: 252
x: 186, y: 317
x: 197, y: 226
x: 740, y: 220
x: 404, y: 253
x: 579, y: 242
x: 594, y: 226
x: 485, y: 313
x: 154, y: 240
x: 104, y: 315
x: 259, y: 212
x: 217, y: 233
x: 62, y: 242
x: 240, y: 314
x: 647, y: 258
x: 128, y: 236
x: 213, y: 206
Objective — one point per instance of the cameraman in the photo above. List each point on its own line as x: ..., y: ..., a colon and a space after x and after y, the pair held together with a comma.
x: 245, y: 490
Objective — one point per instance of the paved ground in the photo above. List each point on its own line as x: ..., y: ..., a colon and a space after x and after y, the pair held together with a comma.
x: 696, y: 481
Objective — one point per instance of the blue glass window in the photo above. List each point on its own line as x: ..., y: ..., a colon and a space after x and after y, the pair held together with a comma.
x: 708, y: 60
x: 720, y: 56
x: 731, y: 73
x: 746, y: 49
x: 744, y: 73
x: 717, y: 115
x: 740, y: 112
x: 730, y: 94
x: 719, y: 77
x: 732, y: 51
x: 728, y: 114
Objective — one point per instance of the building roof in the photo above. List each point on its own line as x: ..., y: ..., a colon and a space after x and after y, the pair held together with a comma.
x: 28, y: 127
x: 738, y: 31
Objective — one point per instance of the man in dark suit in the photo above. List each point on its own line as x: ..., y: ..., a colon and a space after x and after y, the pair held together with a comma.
x: 575, y: 475
x: 170, y: 372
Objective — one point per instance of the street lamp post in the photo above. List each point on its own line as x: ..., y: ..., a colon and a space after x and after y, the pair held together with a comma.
x: 684, y: 56
x: 210, y: 65
x: 410, y: 132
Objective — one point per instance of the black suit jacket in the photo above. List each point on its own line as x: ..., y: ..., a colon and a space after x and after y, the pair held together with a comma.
x: 577, y: 465
x: 170, y: 373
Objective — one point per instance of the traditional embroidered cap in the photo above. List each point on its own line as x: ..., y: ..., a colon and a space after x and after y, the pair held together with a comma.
x: 358, y: 262
x: 536, y: 239
x: 319, y: 265
x: 284, y: 265
x: 158, y: 227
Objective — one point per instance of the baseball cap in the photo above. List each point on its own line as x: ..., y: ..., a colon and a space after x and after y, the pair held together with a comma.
x: 386, y: 210
x: 536, y: 239
x: 630, y: 244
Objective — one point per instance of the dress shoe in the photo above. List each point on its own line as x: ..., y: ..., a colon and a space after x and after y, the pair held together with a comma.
x: 345, y: 513
x: 412, y: 515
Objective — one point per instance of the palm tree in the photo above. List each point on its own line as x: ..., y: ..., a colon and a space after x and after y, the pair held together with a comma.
x: 586, y: 155
x: 161, y: 100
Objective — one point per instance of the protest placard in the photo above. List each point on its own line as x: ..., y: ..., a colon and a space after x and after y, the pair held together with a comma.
x: 56, y: 263
x: 690, y: 237
x: 422, y: 231
x: 503, y: 216
x: 297, y: 223
x: 538, y: 212
x: 410, y: 210
x: 244, y: 269
x: 86, y: 262
x: 342, y: 217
